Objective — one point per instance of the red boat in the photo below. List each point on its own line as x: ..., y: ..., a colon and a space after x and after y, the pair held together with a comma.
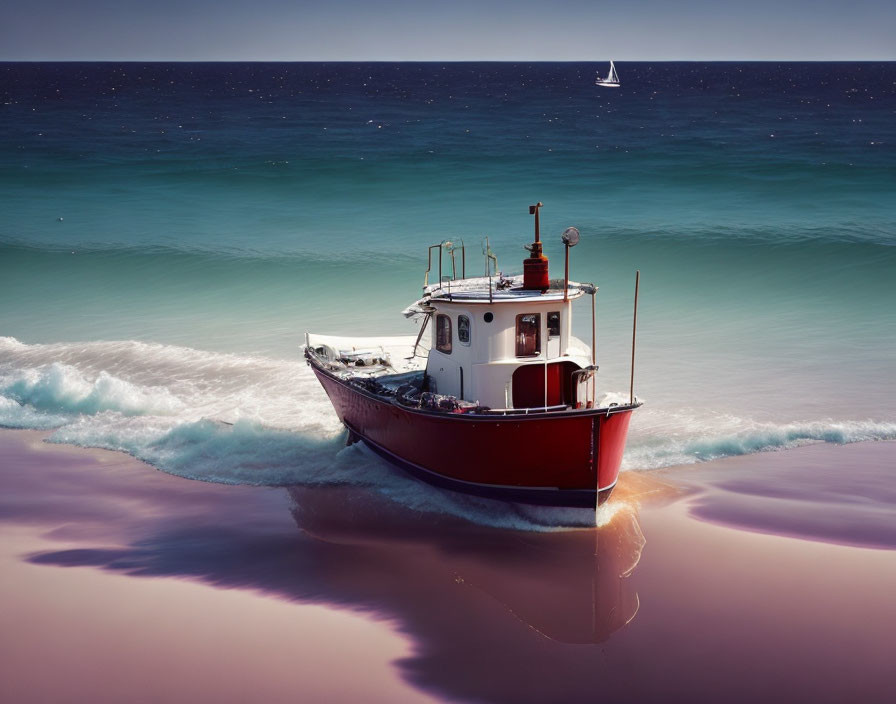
x: 503, y: 401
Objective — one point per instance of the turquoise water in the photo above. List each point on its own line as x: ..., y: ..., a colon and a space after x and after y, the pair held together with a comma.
x: 170, y: 231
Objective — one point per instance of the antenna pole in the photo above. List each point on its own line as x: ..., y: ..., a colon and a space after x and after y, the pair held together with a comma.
x: 593, y: 350
x: 595, y: 452
x: 631, y: 389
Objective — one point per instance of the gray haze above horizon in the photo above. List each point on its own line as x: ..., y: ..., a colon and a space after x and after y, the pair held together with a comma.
x: 485, y: 30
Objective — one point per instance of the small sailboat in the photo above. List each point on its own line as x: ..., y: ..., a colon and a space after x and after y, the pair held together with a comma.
x: 612, y: 79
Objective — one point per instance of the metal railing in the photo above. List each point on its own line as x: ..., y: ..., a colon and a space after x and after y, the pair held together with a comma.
x: 451, y: 248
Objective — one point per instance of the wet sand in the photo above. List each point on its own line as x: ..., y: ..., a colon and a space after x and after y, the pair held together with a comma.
x: 766, y: 577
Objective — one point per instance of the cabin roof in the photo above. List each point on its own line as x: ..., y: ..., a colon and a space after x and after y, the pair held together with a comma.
x: 499, y: 290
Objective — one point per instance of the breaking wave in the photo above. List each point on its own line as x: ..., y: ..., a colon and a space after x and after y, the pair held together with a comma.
x: 62, y: 388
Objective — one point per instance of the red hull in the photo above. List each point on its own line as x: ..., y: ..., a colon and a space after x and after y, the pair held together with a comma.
x: 561, y: 458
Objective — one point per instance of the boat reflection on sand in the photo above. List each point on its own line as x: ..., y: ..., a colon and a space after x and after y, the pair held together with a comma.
x: 493, y: 614
x: 570, y: 586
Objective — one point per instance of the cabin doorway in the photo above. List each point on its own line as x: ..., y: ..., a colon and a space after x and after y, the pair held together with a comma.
x: 535, y: 383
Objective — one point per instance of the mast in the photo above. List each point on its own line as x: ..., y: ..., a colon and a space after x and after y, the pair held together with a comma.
x: 631, y: 388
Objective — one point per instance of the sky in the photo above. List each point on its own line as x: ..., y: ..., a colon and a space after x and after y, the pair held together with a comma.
x: 422, y: 30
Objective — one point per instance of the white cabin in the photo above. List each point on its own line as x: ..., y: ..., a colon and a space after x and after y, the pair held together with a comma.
x: 506, y: 346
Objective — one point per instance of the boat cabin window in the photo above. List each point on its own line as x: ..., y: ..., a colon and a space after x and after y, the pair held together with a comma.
x: 528, y: 335
x: 463, y: 329
x: 553, y: 324
x: 443, y: 333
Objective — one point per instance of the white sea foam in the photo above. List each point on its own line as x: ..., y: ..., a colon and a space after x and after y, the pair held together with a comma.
x: 664, y: 439
x: 205, y: 415
x: 263, y: 421
x: 137, y: 378
x: 14, y: 415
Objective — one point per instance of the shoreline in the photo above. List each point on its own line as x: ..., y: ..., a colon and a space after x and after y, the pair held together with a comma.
x: 730, y: 579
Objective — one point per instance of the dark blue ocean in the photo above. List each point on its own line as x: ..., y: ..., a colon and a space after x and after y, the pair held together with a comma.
x: 170, y: 231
